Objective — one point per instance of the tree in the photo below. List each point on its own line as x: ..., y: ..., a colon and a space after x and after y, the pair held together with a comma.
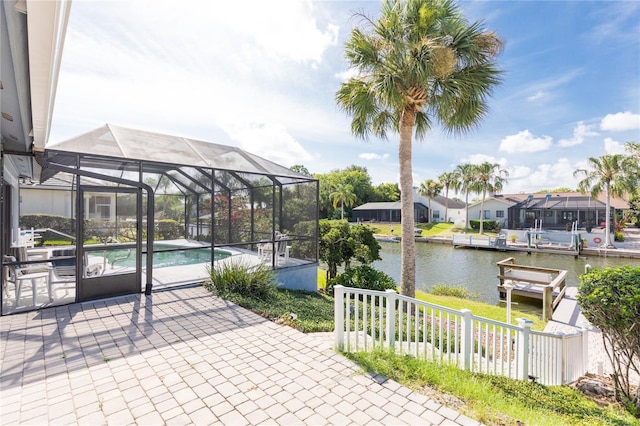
x: 343, y: 195
x: 466, y: 174
x: 299, y: 168
x: 356, y: 176
x: 488, y: 177
x: 341, y: 243
x: 430, y: 189
x: 421, y: 62
x: 610, y: 300
x: 386, y: 192
x: 615, y: 175
x: 449, y: 180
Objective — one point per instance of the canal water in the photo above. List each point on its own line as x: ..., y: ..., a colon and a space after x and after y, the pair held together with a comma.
x: 476, y: 270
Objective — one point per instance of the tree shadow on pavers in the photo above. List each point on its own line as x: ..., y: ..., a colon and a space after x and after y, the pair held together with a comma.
x: 63, y: 339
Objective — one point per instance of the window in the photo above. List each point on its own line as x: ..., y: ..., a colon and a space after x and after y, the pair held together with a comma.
x: 499, y: 213
x: 100, y: 207
x: 486, y: 214
x: 436, y: 215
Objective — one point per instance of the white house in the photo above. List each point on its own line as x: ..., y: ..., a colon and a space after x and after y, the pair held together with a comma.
x: 454, y: 210
x: 494, y: 209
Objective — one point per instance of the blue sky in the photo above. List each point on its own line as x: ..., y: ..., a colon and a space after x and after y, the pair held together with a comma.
x: 262, y: 75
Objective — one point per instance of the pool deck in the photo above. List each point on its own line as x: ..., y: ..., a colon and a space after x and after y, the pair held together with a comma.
x: 185, y: 356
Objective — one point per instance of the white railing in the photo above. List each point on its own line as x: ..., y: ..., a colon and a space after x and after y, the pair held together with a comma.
x: 363, y: 321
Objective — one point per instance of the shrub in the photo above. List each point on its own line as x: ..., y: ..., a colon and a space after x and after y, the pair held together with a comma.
x: 610, y: 300
x: 453, y: 291
x: 62, y: 224
x: 366, y: 277
x: 169, y: 229
x: 618, y: 236
x: 238, y: 278
x: 489, y: 225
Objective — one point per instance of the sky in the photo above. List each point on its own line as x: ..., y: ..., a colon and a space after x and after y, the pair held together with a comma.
x: 262, y: 75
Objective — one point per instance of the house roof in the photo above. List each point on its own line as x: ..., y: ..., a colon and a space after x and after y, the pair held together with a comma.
x: 453, y: 204
x: 389, y: 205
x: 576, y: 199
x: 508, y: 202
x: 117, y: 142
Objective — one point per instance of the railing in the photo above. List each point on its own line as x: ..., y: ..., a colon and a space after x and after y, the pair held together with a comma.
x: 367, y: 319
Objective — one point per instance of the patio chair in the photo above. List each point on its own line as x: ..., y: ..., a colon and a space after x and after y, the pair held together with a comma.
x: 17, y: 275
x: 265, y: 250
x: 64, y: 270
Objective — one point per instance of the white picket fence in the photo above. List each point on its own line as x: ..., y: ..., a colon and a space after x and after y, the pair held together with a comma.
x: 363, y: 321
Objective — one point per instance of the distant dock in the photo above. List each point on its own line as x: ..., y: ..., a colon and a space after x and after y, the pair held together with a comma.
x: 500, y: 244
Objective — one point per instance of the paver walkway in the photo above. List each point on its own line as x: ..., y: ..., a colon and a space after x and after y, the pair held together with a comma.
x: 186, y: 357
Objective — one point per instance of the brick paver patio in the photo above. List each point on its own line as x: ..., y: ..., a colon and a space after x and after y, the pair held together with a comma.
x: 187, y: 357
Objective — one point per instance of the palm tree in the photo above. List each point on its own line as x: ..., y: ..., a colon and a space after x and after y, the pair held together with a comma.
x: 343, y: 195
x: 466, y: 176
x: 615, y: 174
x: 430, y: 189
x: 421, y: 62
x: 488, y: 177
x: 449, y: 180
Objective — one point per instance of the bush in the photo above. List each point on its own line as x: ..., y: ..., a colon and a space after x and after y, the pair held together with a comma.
x: 169, y: 229
x: 238, y: 278
x: 62, y: 224
x: 489, y: 225
x: 618, y: 236
x: 364, y: 276
x: 453, y: 291
x: 610, y: 300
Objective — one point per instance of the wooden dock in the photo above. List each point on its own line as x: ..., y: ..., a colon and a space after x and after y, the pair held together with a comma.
x: 500, y: 244
x: 546, y: 284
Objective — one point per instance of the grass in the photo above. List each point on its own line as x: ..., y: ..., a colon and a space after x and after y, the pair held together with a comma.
x: 494, y: 399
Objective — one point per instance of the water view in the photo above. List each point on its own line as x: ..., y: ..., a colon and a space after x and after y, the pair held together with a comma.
x: 476, y: 269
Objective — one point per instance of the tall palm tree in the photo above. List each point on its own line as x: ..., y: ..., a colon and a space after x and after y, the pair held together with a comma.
x: 449, y: 180
x: 488, y: 177
x: 616, y: 175
x: 343, y: 194
x: 419, y: 63
x: 430, y: 189
x: 466, y: 176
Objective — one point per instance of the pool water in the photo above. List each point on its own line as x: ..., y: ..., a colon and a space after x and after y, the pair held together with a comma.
x: 164, y: 259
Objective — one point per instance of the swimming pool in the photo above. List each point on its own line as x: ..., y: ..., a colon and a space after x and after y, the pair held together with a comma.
x: 164, y: 259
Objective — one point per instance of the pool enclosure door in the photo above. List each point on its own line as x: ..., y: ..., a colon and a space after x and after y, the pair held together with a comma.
x: 110, y: 243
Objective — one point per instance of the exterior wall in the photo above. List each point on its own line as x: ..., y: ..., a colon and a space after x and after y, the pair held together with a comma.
x: 304, y: 277
x: 493, y: 206
x: 45, y: 201
x: 438, y: 210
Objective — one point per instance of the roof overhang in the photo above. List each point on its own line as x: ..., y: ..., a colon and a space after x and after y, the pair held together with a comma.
x: 32, y: 34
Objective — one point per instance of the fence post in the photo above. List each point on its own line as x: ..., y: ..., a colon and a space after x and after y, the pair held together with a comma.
x: 564, y: 361
x: 586, y: 328
x: 338, y: 316
x: 391, y: 318
x: 523, y: 348
x: 466, y: 346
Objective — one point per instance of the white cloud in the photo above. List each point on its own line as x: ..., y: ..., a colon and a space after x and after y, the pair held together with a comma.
x: 613, y: 147
x: 579, y: 133
x: 620, y: 121
x: 481, y: 158
x: 347, y: 74
x: 373, y: 156
x: 544, y: 176
x: 270, y: 141
x: 524, y: 141
x: 539, y: 95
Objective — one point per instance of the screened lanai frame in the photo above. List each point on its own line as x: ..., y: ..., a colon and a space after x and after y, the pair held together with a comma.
x: 218, y: 197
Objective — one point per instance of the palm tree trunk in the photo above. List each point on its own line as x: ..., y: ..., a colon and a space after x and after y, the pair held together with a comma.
x: 446, y: 205
x: 607, y: 222
x: 484, y: 193
x: 466, y: 210
x: 408, y: 243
